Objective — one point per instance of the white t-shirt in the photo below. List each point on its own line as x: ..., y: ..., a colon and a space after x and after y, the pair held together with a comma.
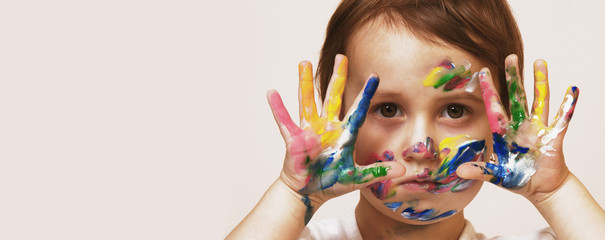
x: 345, y: 227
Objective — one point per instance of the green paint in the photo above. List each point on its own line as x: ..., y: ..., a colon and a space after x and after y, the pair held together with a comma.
x: 379, y: 171
x: 358, y: 176
x: 515, y: 95
x: 449, y: 76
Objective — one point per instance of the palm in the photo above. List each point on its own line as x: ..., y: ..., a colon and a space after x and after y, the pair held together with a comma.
x: 319, y: 159
x: 529, y: 151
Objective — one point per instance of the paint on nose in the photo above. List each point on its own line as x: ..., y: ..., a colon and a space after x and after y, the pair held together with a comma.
x: 424, y: 150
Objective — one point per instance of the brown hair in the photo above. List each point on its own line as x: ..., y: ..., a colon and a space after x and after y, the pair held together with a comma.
x: 485, y: 29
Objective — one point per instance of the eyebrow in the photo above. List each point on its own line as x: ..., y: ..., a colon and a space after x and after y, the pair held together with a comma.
x: 461, y: 93
x: 386, y: 94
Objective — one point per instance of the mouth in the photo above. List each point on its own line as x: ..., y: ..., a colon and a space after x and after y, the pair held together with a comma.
x: 418, y: 184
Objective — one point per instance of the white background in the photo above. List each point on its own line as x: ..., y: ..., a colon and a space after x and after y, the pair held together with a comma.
x: 148, y: 120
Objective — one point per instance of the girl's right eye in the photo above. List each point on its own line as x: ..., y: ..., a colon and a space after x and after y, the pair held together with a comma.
x: 388, y: 110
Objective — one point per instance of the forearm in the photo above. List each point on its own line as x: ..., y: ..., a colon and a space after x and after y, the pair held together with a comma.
x: 279, y: 214
x: 572, y: 212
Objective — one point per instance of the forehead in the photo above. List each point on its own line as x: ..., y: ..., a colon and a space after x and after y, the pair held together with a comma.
x: 394, y: 52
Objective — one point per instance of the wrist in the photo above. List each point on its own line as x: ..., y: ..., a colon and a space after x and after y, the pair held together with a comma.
x: 544, y: 198
x: 310, y: 203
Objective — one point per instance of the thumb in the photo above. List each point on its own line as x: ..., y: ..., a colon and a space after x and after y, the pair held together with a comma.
x: 478, y: 171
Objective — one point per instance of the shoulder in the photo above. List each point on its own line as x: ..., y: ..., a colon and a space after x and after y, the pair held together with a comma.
x: 469, y: 233
x: 343, y: 227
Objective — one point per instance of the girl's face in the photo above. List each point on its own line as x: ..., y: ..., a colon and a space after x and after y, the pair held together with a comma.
x: 428, y: 130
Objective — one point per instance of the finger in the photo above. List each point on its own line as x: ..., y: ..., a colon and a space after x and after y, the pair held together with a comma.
x: 306, y: 96
x: 541, y: 93
x: 333, y: 101
x: 356, y: 118
x: 286, y: 126
x: 559, y: 124
x: 496, y: 115
x: 516, y: 92
x: 367, y: 175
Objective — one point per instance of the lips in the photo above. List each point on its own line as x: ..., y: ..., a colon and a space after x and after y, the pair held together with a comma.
x: 416, y: 184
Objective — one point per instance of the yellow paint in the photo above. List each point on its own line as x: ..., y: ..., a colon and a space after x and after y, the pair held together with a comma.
x: 453, y: 142
x: 309, y: 110
x: 434, y: 76
x: 335, y: 96
x: 329, y: 138
x: 540, y: 95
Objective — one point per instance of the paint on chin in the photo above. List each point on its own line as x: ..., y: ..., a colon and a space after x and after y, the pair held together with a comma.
x: 424, y: 215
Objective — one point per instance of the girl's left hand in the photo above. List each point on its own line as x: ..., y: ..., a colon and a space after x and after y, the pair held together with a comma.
x: 529, y: 151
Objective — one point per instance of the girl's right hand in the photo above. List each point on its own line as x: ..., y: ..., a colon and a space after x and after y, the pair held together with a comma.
x: 319, y: 163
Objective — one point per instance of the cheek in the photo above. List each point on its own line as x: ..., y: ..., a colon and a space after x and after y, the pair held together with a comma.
x: 371, y: 146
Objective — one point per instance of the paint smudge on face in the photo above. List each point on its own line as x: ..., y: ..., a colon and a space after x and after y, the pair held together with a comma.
x: 449, y: 76
x: 454, y: 152
x: 426, y: 149
x: 410, y: 213
x: 462, y: 149
x: 425, y: 215
x: 394, y: 205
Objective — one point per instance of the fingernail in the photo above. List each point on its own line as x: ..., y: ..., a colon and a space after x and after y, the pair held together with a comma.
x: 482, y: 75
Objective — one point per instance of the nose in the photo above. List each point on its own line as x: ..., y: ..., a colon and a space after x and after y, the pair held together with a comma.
x: 421, y: 146
x: 421, y: 150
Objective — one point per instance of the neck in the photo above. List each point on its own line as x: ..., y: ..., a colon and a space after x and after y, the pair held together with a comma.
x: 375, y: 225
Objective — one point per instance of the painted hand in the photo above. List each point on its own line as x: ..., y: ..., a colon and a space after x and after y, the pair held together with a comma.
x: 529, y: 150
x: 319, y: 162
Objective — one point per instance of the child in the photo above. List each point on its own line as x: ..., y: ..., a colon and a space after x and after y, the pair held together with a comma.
x: 416, y: 140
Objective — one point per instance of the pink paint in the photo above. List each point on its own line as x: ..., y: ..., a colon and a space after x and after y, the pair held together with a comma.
x: 421, y: 150
x: 490, y: 98
x: 283, y: 117
x: 424, y: 175
x: 381, y: 189
x: 303, y: 144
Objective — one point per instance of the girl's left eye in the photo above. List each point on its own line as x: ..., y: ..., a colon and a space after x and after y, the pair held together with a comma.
x: 454, y: 111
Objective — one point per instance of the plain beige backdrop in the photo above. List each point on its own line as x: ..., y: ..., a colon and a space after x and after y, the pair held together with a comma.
x: 148, y: 120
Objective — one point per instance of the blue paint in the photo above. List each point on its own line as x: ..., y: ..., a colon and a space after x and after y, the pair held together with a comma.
x: 499, y: 172
x: 309, y: 213
x: 517, y: 149
x: 465, y: 154
x: 425, y: 215
x: 511, y: 175
x: 337, y: 165
x: 394, y: 205
x: 356, y: 119
x: 388, y: 155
